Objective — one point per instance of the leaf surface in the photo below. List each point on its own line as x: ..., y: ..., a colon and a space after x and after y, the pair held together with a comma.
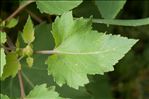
x: 57, y: 7
x: 109, y: 8
x: 42, y: 92
x: 80, y: 51
x: 28, y: 31
x: 12, y: 65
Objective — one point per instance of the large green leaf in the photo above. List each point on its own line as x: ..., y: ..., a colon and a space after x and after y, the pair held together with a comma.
x: 57, y: 7
x: 42, y: 92
x: 38, y: 73
x: 12, y: 65
x: 3, y: 96
x: 28, y: 31
x: 80, y: 51
x: 109, y: 8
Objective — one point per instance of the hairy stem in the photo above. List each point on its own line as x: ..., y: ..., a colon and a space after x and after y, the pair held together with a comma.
x: 21, y: 84
x: 45, y: 52
x: 19, y: 9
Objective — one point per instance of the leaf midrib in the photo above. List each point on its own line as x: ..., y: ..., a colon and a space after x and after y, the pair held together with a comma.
x: 82, y: 53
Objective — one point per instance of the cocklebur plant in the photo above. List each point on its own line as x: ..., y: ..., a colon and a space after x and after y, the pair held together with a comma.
x: 78, y: 51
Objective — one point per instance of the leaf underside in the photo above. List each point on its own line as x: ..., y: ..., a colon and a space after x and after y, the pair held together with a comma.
x: 81, y: 51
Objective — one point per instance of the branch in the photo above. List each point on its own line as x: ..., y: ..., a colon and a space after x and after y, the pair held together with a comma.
x: 28, y: 80
x: 134, y: 22
x: 19, y: 9
x: 21, y: 84
x: 38, y: 19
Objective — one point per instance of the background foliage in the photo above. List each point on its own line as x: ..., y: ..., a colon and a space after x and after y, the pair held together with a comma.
x: 129, y: 80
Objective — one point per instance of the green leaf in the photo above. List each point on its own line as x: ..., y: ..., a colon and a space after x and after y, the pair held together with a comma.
x: 42, y: 92
x: 80, y: 51
x: 2, y: 61
x: 3, y: 37
x: 32, y: 76
x: 28, y: 31
x: 56, y: 7
x: 109, y: 8
x: 11, y: 23
x: 12, y: 65
x: 3, y: 96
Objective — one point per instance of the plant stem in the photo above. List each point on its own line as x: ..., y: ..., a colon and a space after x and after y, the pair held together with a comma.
x: 134, y: 22
x: 27, y: 80
x: 38, y: 19
x: 21, y: 84
x: 19, y: 9
x: 45, y: 52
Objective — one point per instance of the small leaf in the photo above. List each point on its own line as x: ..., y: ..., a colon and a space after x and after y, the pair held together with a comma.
x: 28, y: 31
x: 12, y: 65
x: 4, y: 96
x: 29, y: 61
x: 56, y: 7
x: 11, y: 23
x: 109, y: 8
x: 81, y: 51
x: 3, y: 37
x: 42, y: 92
x: 2, y: 61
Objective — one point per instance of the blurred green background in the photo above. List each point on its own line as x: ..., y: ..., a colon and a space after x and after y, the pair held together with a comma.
x: 129, y: 80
